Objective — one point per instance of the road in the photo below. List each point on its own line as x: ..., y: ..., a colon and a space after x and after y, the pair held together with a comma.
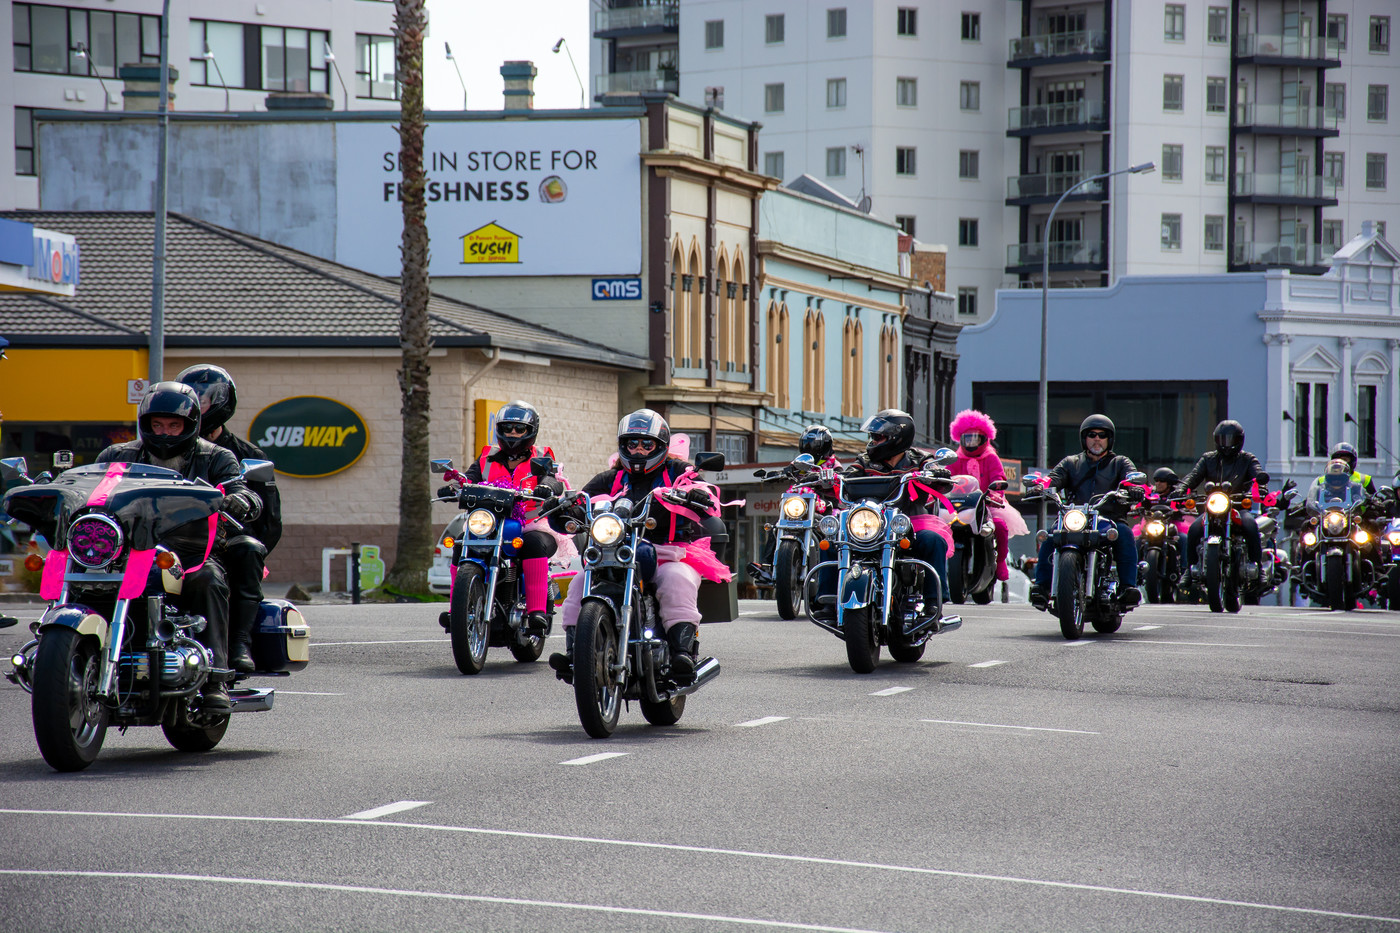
x: 1193, y: 771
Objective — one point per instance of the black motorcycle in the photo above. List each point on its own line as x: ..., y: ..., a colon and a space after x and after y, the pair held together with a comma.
x: 1159, y: 542
x: 972, y: 567
x: 1344, y: 551
x: 796, y: 530
x: 1222, y: 555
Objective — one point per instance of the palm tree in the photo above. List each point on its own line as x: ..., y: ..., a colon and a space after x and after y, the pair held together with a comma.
x: 414, y: 552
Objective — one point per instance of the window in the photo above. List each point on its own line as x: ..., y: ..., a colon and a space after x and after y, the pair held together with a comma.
x: 967, y: 163
x: 972, y: 27
x: 904, y: 160
x: 294, y: 59
x: 1214, y: 237
x: 773, y: 25
x: 1377, y: 102
x: 46, y: 39
x: 779, y: 355
x: 1375, y: 171
x: 1215, y: 95
x: 967, y: 301
x: 225, y: 42
x: 773, y: 98
x: 836, y: 162
x: 836, y: 23
x: 24, y: 141
x: 773, y: 164
x: 1171, y: 162
x: 375, y: 68
x: 814, y: 360
x: 1215, y: 163
x: 1380, y: 33
x: 905, y: 222
x: 1366, y: 420
x: 1218, y: 25
x: 1337, y: 29
x: 836, y: 92
x: 714, y: 33
x: 1334, y: 100
x: 1173, y: 92
x: 1332, y: 234
x: 1333, y: 167
x: 1171, y: 231
x: 908, y: 21
x: 906, y: 92
x: 1310, y: 419
x: 967, y: 231
x: 970, y: 95
x: 1174, y: 27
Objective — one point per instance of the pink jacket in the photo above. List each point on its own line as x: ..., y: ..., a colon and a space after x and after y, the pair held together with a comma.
x: 986, y: 466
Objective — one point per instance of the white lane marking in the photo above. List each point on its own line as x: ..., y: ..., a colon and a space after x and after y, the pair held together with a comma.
x: 1146, y: 628
x: 1196, y: 644
x: 437, y: 895
x: 702, y: 850
x: 987, y: 664
x: 1082, y: 641
x: 388, y: 808
x: 589, y: 759
x: 401, y: 641
x: 760, y: 722
x: 989, y: 725
x: 308, y: 693
x: 891, y: 691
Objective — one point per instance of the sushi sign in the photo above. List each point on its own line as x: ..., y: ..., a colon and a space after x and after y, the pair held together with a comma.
x: 491, y: 243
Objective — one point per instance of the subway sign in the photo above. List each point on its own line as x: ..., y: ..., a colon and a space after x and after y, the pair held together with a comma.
x: 309, y: 436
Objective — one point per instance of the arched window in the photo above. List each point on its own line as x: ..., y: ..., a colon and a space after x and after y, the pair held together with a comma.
x: 889, y: 367
x: 773, y: 351
x: 724, y: 349
x: 785, y: 352
x: 852, y: 394
x: 695, y: 316
x: 679, y: 318
x: 739, y: 309
x: 809, y: 356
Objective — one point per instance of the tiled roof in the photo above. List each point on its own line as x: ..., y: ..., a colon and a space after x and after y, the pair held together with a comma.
x: 226, y: 287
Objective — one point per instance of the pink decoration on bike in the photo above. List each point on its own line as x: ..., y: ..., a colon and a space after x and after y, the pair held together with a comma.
x: 55, y: 565
x: 113, y: 476
x: 209, y: 547
x: 138, y: 571
x: 934, y: 523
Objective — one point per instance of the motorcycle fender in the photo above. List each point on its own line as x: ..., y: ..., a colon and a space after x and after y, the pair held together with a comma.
x: 80, y: 619
x: 855, y: 591
x: 596, y: 597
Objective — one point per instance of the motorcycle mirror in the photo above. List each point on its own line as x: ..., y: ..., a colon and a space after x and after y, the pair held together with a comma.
x: 441, y: 466
x: 709, y: 460
x: 1263, y: 478
x: 259, y: 471
x: 7, y: 621
x: 804, y: 458
x: 998, y: 485
x: 1136, y: 479
x: 12, y: 468
x: 1035, y: 477
x: 541, y: 466
x: 42, y: 478
x: 760, y: 473
x: 944, y: 456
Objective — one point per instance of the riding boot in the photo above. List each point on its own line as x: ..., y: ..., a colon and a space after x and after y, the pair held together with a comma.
x: 684, y: 647
x: 564, y: 662
x: 242, y: 617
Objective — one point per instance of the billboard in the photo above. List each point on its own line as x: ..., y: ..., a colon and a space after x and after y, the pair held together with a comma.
x: 528, y: 197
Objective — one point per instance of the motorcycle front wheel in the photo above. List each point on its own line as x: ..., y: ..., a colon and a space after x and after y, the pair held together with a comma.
x: 862, y: 645
x: 1069, y: 595
x: 1336, y: 582
x: 70, y: 720
x: 1215, y: 585
x: 1152, y: 577
x: 597, y: 696
x: 470, y: 619
x: 787, y: 578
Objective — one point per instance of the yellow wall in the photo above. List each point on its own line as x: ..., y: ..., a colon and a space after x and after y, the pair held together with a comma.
x: 68, y: 385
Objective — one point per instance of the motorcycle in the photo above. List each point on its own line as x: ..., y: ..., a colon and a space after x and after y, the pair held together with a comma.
x: 1342, y: 556
x: 1390, y: 585
x: 796, y: 531
x: 110, y: 650
x: 878, y: 594
x: 1158, y: 550
x: 972, y: 566
x: 486, y: 597
x: 1274, y: 571
x: 620, y: 648
x: 1084, y: 582
x: 1221, y: 556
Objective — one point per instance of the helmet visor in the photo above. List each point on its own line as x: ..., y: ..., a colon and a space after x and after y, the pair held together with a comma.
x: 972, y: 440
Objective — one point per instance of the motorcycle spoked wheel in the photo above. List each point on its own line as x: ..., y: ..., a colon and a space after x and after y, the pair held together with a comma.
x: 597, y: 696
x: 70, y: 721
x: 193, y: 733
x: 788, y: 567
x: 1231, y: 584
x: 862, y: 639
x: 470, y: 624
x: 1069, y: 595
x: 901, y: 649
x: 1215, y: 586
x: 1336, y: 582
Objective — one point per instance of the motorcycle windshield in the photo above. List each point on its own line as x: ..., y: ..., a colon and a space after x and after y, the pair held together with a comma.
x: 148, y: 501
x: 1336, y: 490
x: 964, y: 485
x: 872, y: 487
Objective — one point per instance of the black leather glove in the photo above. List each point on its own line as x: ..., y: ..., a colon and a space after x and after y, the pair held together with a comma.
x: 242, y: 506
x: 935, y: 471
x: 446, y: 492
x: 549, y: 486
x: 700, y: 499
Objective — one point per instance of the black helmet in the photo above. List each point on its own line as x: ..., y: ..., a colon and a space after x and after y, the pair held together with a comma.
x: 174, y: 399
x: 643, y: 424
x: 1229, y: 438
x: 816, y: 440
x: 523, y: 414
x: 1342, y: 451
x: 218, y: 396
x: 1165, y: 475
x: 891, y: 434
x: 1096, y: 422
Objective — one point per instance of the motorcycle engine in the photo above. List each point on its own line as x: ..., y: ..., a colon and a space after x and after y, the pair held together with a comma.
x: 181, y: 664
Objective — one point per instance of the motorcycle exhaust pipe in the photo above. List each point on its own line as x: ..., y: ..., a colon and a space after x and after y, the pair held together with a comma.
x: 706, y: 672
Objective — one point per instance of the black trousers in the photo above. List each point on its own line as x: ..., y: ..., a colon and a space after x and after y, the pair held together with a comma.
x: 205, y: 592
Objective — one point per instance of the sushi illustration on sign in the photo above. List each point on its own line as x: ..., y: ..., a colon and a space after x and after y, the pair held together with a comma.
x: 491, y: 243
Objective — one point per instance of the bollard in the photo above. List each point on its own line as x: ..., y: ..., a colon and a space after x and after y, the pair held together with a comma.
x: 355, y: 572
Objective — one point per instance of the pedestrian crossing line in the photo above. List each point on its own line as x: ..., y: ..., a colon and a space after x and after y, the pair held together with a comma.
x: 590, y: 759
x: 387, y: 809
x: 891, y: 691
x: 986, y: 664
x: 1145, y: 628
x: 759, y: 722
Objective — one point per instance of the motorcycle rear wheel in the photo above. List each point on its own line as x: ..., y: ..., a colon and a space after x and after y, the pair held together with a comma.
x: 70, y: 722
x: 597, y: 696
x: 470, y: 619
x: 185, y: 735
x: 1336, y: 582
x: 1069, y: 595
x: 787, y: 579
x: 664, y: 713
x: 1214, y: 583
x: 862, y: 646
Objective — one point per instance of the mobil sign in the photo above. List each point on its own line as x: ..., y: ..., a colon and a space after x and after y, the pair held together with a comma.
x: 35, y: 260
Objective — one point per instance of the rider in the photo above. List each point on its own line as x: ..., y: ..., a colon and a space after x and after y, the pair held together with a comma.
x: 1347, y: 452
x: 974, y: 432
x: 245, y: 555
x: 1083, y: 476
x: 818, y: 444
x: 167, y: 425
x: 1228, y: 463
x: 644, y: 464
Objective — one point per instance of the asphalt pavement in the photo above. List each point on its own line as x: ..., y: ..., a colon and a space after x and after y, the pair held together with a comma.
x: 1190, y: 772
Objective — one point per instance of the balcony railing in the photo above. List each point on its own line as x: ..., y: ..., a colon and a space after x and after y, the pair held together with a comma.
x: 1060, y: 44
x: 666, y: 15
x: 1051, y: 184
x: 1062, y: 253
x: 1312, y: 48
x: 1051, y: 115
x: 1280, y: 254
x: 631, y: 82
x: 1313, y: 187
x: 1288, y: 116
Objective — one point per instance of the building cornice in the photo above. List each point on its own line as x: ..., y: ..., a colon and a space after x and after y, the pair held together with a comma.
x: 835, y: 268
x: 682, y: 162
x: 705, y: 395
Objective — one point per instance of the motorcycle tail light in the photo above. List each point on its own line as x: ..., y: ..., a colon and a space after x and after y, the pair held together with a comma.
x: 94, y: 541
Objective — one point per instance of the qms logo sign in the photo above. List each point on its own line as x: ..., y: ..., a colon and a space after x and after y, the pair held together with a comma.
x: 617, y: 289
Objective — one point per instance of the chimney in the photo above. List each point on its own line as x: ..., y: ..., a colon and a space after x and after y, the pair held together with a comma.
x: 279, y: 101
x: 520, y: 85
x: 141, y: 86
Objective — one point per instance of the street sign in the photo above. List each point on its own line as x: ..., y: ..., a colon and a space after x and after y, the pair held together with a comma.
x: 135, y: 389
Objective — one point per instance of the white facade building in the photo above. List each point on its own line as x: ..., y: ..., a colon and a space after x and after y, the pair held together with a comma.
x: 257, y: 49
x: 1269, y: 120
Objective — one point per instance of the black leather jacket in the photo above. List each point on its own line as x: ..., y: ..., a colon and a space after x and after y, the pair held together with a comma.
x: 1082, y: 479
x: 268, y: 527
x: 1239, y: 471
x: 912, y: 459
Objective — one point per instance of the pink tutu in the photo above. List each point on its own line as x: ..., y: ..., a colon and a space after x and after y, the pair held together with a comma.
x: 699, y: 556
x: 1015, y: 521
x: 934, y: 523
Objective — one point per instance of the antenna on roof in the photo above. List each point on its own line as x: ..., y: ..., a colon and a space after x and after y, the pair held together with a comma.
x: 863, y: 202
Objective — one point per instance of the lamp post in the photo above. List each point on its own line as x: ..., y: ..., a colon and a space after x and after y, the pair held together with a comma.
x: 85, y: 56
x: 582, y: 94
x: 330, y: 57
x: 1044, y: 419
x: 209, y: 57
x: 448, y: 47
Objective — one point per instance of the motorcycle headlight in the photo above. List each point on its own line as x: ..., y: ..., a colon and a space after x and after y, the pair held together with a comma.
x: 94, y: 541
x: 1394, y: 538
x: 829, y: 525
x: 1075, y: 520
x: 1334, y: 522
x: 606, y: 529
x: 864, y: 524
x: 1217, y: 503
x: 481, y: 523
x: 1309, y: 539
x: 1156, y: 529
x: 794, y: 507
x: 1362, y: 538
x: 901, y: 525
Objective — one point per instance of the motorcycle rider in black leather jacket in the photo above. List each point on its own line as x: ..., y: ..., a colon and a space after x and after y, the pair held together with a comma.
x: 1228, y: 463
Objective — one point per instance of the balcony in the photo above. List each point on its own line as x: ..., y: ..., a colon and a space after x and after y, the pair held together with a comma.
x: 637, y: 20
x: 1286, y: 120
x: 1073, y: 117
x: 1058, y: 48
x: 632, y: 82
x: 1065, y: 255
x: 1304, y: 190
x: 1256, y: 256
x: 1288, y: 51
x: 1047, y: 187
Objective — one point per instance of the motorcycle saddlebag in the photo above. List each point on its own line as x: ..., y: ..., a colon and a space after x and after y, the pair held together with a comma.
x: 718, y: 602
x: 281, y: 637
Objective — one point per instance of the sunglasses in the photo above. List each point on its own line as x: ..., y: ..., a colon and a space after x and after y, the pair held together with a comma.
x: 641, y: 444
x: 1099, y: 434
x: 514, y: 430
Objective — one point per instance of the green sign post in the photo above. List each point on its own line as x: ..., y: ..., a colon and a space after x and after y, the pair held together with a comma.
x: 310, y: 436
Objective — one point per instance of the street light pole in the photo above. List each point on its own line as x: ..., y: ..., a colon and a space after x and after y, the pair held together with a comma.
x: 582, y: 94
x: 1044, y: 419
x: 448, y: 47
